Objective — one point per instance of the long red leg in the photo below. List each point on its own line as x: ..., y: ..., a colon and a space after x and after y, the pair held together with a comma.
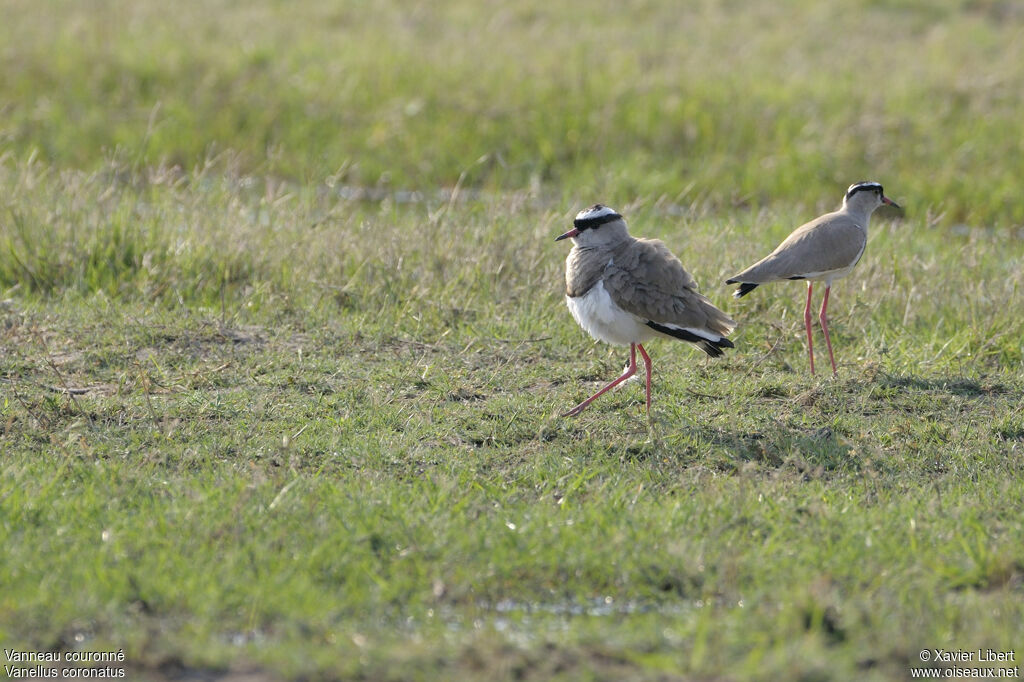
x: 647, y: 364
x: 630, y: 371
x: 807, y: 323
x: 823, y: 318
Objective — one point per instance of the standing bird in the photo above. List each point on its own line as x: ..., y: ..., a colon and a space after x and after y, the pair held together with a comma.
x: 824, y: 249
x: 625, y: 291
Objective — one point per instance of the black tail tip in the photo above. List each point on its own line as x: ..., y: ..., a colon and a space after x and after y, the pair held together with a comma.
x: 710, y: 349
x: 744, y: 289
x: 714, y: 348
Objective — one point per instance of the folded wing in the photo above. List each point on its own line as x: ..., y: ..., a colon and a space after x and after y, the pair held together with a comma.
x: 647, y: 280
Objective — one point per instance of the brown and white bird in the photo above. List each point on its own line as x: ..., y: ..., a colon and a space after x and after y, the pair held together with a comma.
x: 822, y: 250
x: 626, y: 291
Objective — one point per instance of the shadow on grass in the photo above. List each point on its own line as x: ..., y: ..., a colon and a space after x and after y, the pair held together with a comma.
x: 806, y: 451
x: 959, y: 386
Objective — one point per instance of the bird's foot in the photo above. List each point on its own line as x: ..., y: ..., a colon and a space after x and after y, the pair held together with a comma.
x: 575, y: 411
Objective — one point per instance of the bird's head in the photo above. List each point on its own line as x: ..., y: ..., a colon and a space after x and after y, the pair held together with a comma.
x: 866, y: 197
x: 596, y: 226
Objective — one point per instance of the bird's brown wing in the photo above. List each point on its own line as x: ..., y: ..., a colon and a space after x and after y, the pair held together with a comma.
x: 832, y: 242
x: 646, y: 279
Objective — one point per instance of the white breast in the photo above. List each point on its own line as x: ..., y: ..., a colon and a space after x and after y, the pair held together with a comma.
x: 597, y: 313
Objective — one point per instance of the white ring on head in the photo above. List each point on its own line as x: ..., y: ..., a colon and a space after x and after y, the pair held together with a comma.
x: 592, y: 212
x: 865, y: 185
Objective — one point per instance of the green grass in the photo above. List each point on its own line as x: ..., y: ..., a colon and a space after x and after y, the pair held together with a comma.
x: 313, y: 429
x: 705, y: 104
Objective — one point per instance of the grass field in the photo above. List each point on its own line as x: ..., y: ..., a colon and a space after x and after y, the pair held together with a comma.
x: 283, y: 346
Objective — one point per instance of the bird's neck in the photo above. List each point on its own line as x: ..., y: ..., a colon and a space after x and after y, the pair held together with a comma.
x: 585, y: 265
x: 611, y: 243
x: 859, y: 214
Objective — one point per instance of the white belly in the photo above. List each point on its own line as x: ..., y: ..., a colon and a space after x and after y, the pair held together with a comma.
x: 601, y: 318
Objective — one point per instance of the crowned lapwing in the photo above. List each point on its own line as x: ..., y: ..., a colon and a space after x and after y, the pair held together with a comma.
x: 625, y: 291
x: 822, y: 250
